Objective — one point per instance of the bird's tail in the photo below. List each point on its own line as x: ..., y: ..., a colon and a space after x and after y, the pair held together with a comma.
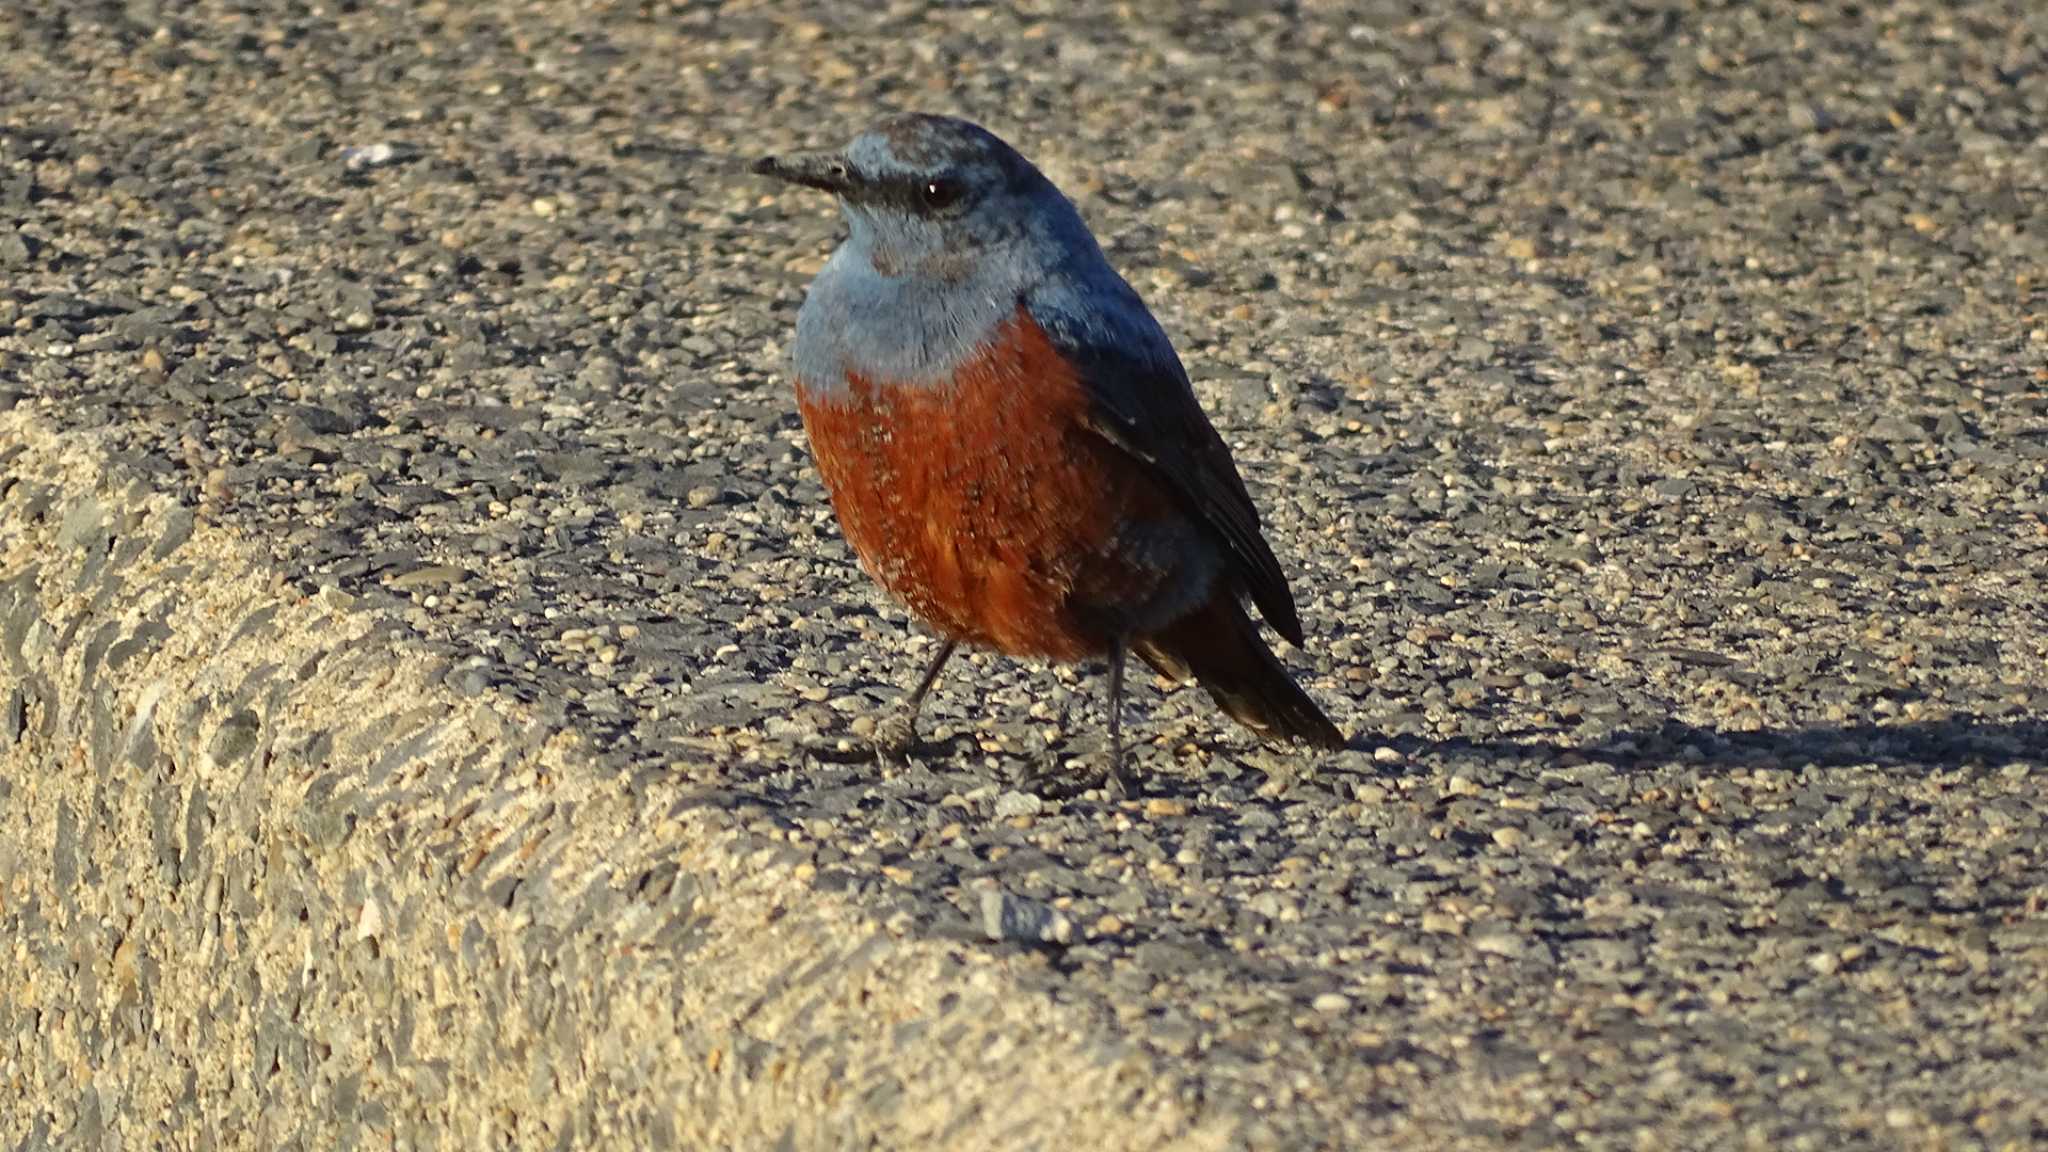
x: 1220, y: 647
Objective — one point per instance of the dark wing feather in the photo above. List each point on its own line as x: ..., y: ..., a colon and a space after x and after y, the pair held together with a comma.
x: 1144, y: 405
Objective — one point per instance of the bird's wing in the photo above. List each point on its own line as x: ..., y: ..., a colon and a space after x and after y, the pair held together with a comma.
x: 1143, y: 404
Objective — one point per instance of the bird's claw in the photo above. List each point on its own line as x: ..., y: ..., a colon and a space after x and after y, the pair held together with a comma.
x: 1055, y: 778
x: 894, y: 738
x: 1115, y: 784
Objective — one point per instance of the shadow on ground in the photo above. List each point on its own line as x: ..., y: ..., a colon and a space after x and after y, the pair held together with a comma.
x: 1953, y: 742
x: 807, y: 775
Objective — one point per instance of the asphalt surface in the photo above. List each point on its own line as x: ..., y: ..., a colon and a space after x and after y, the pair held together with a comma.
x: 1649, y: 402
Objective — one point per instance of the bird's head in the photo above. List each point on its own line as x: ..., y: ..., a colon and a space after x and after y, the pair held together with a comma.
x: 934, y: 196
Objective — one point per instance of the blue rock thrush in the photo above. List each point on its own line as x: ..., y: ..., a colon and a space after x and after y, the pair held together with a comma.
x: 1010, y: 442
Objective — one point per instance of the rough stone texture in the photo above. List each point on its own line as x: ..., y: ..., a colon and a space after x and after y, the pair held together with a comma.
x: 267, y: 882
x: 1650, y: 400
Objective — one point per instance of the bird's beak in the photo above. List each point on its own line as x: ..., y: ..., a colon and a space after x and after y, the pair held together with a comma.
x: 826, y: 171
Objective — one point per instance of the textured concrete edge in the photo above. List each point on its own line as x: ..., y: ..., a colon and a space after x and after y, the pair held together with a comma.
x: 267, y: 882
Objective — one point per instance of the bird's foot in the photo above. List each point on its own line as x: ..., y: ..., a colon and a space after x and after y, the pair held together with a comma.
x: 1054, y: 777
x: 894, y: 738
x: 1115, y: 783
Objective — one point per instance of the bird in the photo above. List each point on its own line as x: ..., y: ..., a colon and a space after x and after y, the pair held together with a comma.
x: 1010, y: 443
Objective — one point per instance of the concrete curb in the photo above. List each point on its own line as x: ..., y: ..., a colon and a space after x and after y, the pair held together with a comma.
x: 266, y: 882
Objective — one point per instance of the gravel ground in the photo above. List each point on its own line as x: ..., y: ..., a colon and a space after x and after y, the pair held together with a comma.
x: 1651, y: 403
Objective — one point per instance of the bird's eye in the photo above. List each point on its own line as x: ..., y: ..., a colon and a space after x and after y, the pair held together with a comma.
x: 939, y: 193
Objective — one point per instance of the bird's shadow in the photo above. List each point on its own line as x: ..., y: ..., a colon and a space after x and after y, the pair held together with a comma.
x: 863, y: 751
x: 934, y: 769
x: 939, y: 774
x: 1950, y: 743
x: 930, y: 762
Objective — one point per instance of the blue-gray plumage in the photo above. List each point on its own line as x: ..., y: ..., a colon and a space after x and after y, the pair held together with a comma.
x: 1011, y: 443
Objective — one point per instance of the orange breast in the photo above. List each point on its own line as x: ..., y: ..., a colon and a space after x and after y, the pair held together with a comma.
x: 987, y: 507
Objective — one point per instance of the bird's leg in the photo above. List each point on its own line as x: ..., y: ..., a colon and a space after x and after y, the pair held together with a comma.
x: 895, y: 735
x: 1115, y: 780
x: 915, y: 702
